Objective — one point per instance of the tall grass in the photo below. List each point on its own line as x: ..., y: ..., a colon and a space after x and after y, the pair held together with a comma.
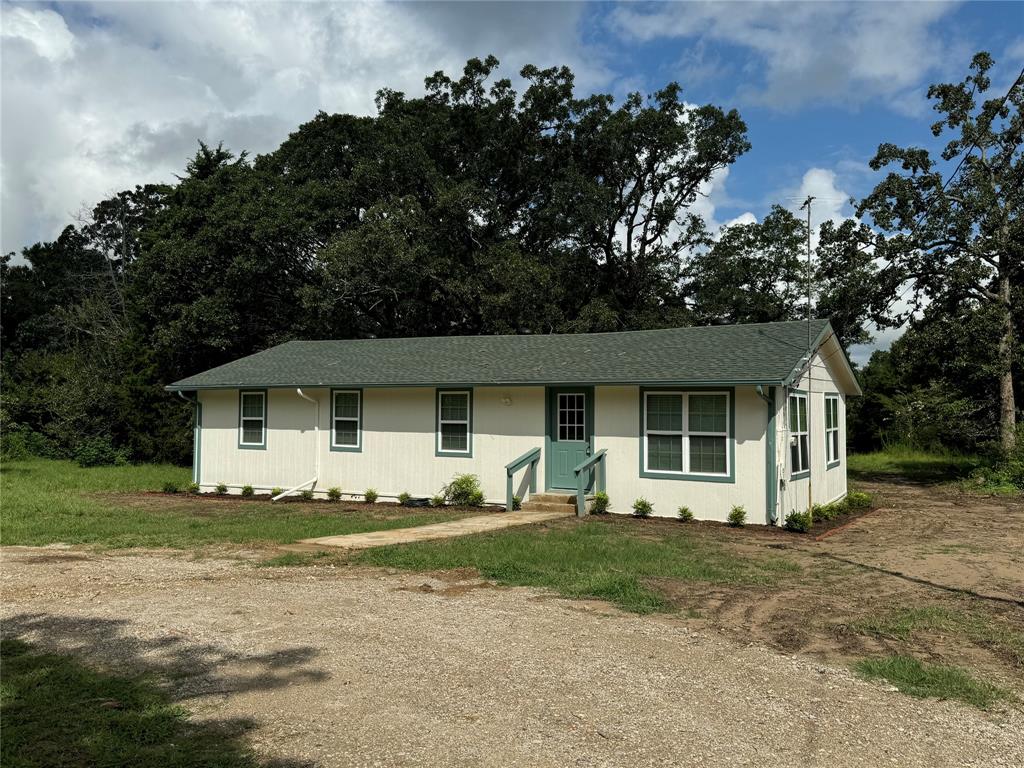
x: 934, y: 465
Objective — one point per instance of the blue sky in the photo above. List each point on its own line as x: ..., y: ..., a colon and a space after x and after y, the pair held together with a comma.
x: 97, y: 97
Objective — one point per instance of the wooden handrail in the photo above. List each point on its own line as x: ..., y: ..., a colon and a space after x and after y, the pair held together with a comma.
x: 588, y: 463
x: 531, y: 457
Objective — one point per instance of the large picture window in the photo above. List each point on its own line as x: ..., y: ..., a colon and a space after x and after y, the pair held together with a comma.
x: 687, y: 433
x: 346, y: 419
x: 798, y: 442
x: 832, y: 429
x: 454, y: 434
x: 252, y: 419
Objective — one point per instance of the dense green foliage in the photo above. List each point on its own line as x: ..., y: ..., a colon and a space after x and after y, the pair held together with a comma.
x: 479, y: 210
x: 924, y: 680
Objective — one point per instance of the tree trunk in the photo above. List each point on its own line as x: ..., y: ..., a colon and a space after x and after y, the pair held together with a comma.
x: 1007, y: 404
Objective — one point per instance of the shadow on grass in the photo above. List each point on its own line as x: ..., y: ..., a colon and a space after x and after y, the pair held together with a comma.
x: 81, y: 691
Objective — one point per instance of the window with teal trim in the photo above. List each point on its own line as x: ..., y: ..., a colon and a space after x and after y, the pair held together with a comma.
x: 346, y: 419
x: 798, y: 442
x: 254, y: 418
x: 686, y: 432
x: 453, y: 422
x: 831, y: 428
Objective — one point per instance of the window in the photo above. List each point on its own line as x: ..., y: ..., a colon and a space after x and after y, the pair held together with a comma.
x: 832, y: 429
x: 572, y: 417
x: 686, y: 432
x: 453, y: 427
x: 346, y: 419
x: 798, y: 445
x: 252, y: 422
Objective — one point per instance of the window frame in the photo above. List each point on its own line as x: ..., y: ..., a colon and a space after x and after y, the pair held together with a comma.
x: 794, y: 473
x: 438, y: 422
x: 262, y: 445
x: 729, y: 476
x: 341, y: 448
x: 831, y: 462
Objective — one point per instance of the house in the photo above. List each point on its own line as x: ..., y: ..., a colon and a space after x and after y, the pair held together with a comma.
x: 707, y: 417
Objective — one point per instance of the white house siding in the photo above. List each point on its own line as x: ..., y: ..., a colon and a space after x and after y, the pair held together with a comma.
x: 398, y: 442
x: 617, y: 424
x: 826, y: 484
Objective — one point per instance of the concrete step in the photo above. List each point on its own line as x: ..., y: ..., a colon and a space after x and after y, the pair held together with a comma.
x: 553, y: 498
x: 548, y: 506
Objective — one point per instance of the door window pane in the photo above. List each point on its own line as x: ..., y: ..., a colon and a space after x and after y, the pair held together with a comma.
x: 572, y: 417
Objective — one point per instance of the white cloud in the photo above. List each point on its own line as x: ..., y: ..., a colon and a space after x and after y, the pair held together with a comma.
x: 808, y: 53
x: 44, y: 30
x: 99, y: 97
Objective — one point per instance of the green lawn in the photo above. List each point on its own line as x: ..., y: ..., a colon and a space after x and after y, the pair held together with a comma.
x: 913, y: 463
x: 48, y: 501
x: 924, y: 680
x: 56, y: 711
x: 609, y: 559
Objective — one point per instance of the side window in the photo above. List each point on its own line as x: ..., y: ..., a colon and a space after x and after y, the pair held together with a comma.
x: 453, y: 423
x: 252, y: 420
x: 831, y: 429
x: 346, y: 419
x: 798, y: 443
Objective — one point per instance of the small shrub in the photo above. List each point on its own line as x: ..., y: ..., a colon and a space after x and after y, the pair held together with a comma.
x: 275, y: 491
x: 404, y: 498
x: 800, y: 522
x: 221, y: 489
x: 334, y: 494
x: 601, y: 503
x: 99, y: 452
x: 170, y: 487
x: 857, y: 501
x: 437, y: 501
x: 737, y: 516
x: 517, y: 503
x: 370, y: 495
x: 192, y: 488
x: 306, y: 494
x: 247, y: 490
x: 642, y: 507
x: 685, y: 514
x: 464, y: 491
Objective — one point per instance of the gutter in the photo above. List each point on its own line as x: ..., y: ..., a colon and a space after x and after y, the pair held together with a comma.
x: 316, y: 445
x: 771, y: 481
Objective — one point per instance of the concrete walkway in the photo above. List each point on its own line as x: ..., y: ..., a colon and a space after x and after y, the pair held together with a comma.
x: 463, y: 527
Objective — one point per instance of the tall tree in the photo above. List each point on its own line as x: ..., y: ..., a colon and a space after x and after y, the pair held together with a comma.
x: 962, y: 237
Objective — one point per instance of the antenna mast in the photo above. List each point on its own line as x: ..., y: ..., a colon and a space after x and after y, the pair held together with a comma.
x: 810, y: 367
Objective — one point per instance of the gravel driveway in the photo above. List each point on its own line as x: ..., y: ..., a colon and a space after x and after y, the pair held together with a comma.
x: 352, y: 667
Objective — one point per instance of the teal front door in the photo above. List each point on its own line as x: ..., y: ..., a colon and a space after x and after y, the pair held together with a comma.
x: 570, y: 433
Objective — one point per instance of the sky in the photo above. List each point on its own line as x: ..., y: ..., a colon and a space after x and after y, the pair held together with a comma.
x: 99, y: 97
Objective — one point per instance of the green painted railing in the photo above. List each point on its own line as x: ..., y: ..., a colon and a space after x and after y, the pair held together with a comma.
x: 532, y: 458
x: 590, y: 465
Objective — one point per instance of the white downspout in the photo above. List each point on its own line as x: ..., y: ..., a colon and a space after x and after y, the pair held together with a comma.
x: 316, y: 436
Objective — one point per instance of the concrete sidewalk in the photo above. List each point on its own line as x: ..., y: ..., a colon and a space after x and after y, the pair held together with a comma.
x: 464, y: 527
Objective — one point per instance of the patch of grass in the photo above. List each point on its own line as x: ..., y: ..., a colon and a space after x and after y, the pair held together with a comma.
x: 926, y: 466
x: 923, y: 680
x: 981, y: 630
x: 48, y: 501
x: 604, y: 560
x: 56, y: 711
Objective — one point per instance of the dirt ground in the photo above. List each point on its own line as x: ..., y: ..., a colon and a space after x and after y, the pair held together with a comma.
x: 339, y: 666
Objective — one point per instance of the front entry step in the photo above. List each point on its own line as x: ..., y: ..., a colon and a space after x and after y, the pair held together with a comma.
x: 551, y: 502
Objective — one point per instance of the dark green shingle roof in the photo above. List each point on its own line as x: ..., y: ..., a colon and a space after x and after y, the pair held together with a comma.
x: 762, y: 353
